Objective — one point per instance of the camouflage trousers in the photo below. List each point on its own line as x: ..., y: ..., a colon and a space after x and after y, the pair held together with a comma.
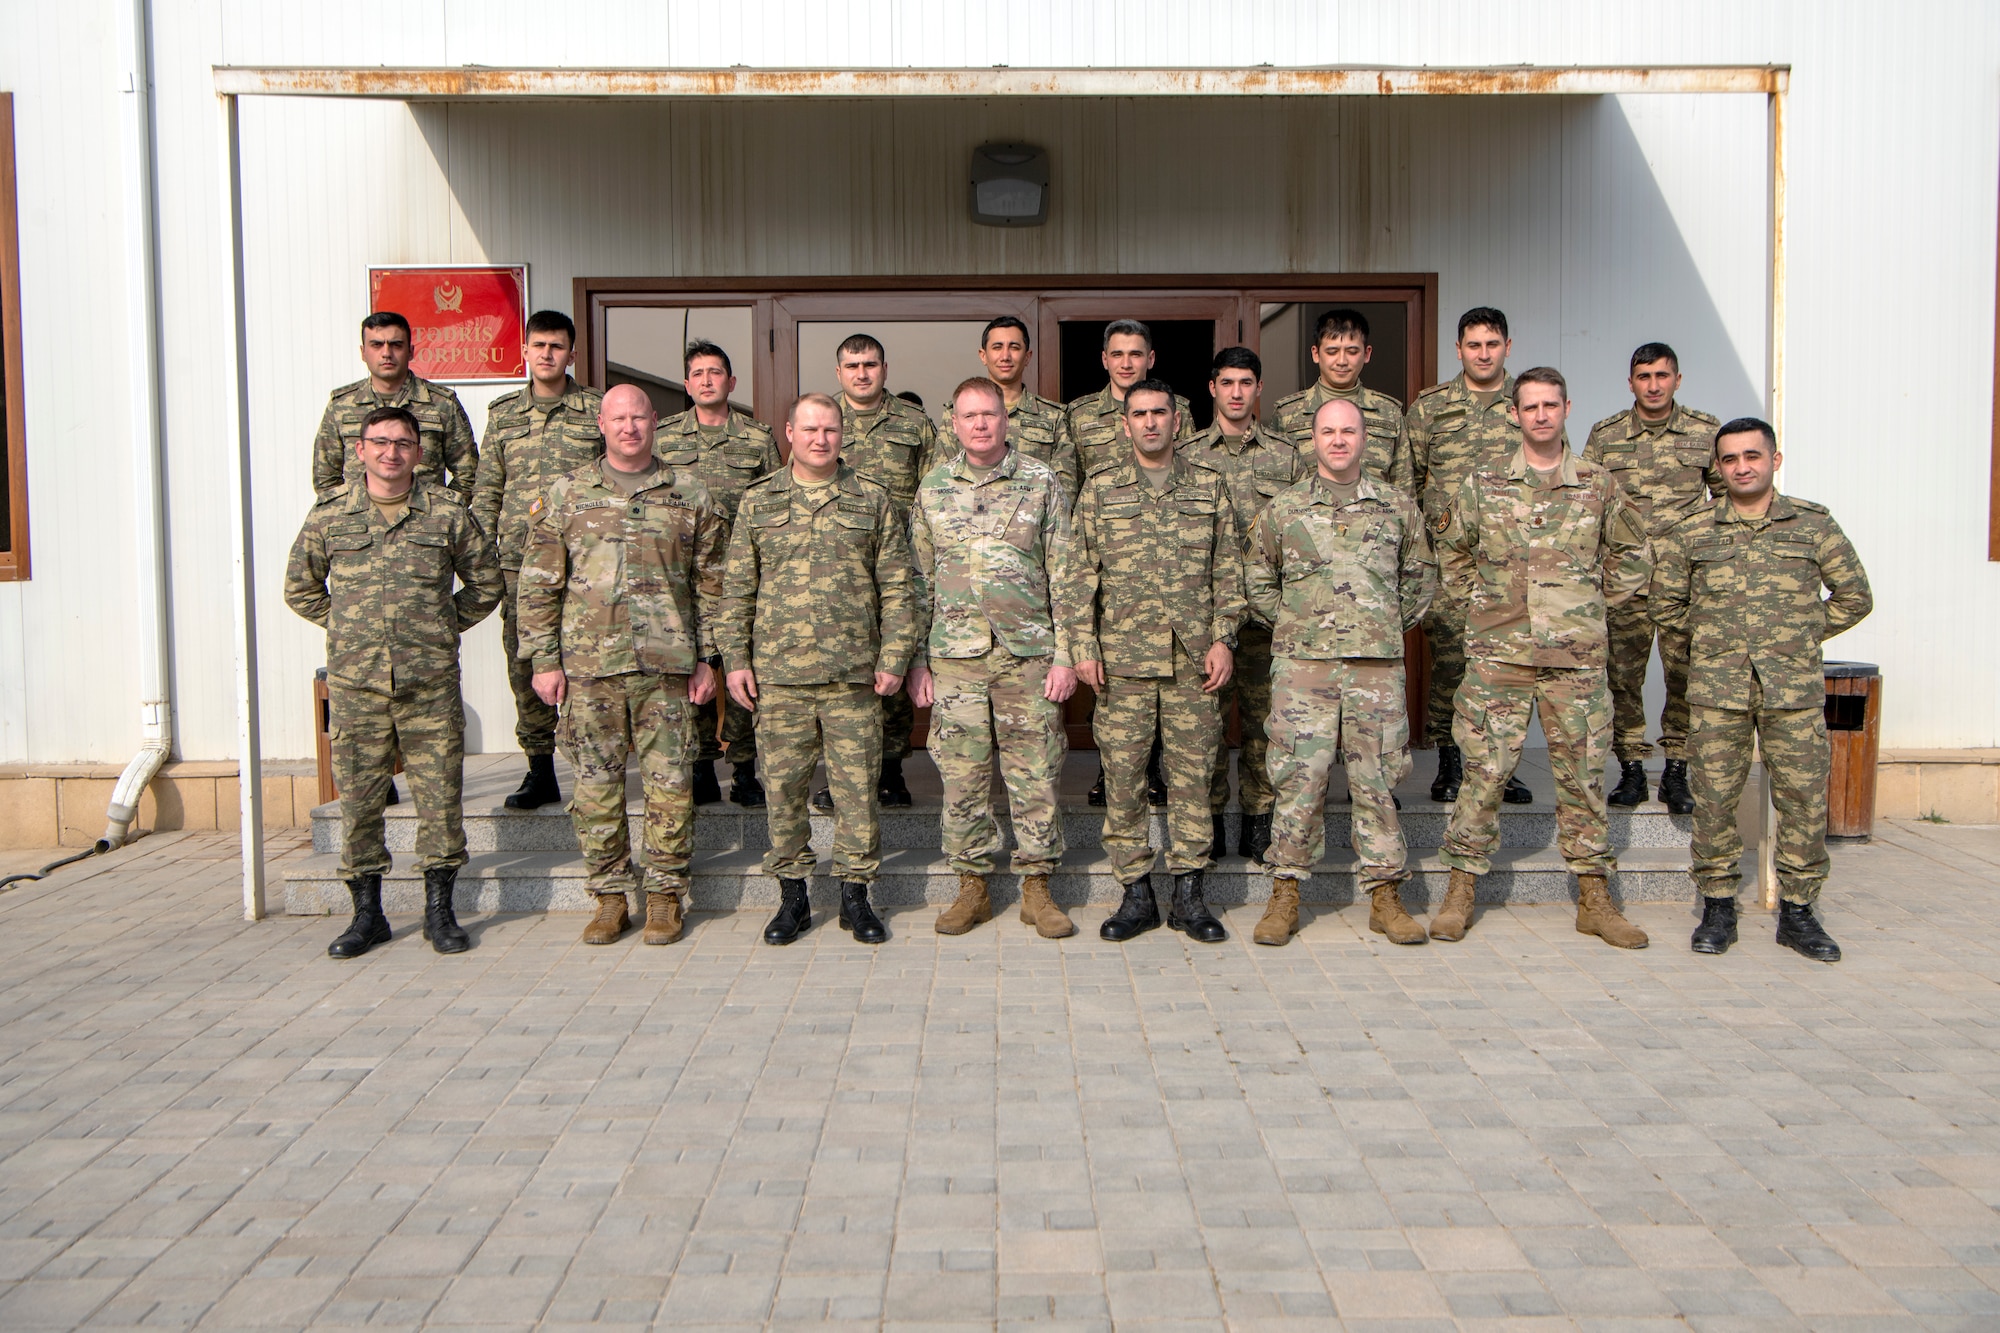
x: 426, y: 723
x: 989, y: 707
x: 1490, y: 724
x: 841, y: 722
x: 1322, y: 711
x: 1797, y: 758
x: 1250, y: 689
x: 1632, y: 633
x: 534, y: 721
x: 899, y: 716
x: 738, y: 740
x: 605, y: 721
x: 1189, y: 722
x: 1444, y: 631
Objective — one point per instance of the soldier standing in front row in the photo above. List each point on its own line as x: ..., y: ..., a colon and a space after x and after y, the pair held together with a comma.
x: 1340, y: 568
x: 1742, y: 580
x: 374, y: 564
x: 1663, y: 455
x: 1158, y: 595
x: 1342, y: 349
x: 618, y: 599
x: 447, y: 455
x: 814, y: 668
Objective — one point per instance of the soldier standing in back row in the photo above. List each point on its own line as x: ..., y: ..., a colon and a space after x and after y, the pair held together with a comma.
x: 1663, y: 455
x: 449, y: 457
x: 545, y: 429
x: 1036, y: 427
x: 1453, y: 428
x: 1742, y: 579
x: 1097, y: 420
x: 374, y: 564
x: 728, y: 451
x: 1340, y: 349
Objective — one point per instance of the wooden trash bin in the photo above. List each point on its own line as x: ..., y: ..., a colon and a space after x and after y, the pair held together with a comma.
x: 1853, y: 732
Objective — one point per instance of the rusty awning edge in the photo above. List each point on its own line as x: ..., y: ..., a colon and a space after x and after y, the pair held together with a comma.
x: 479, y: 81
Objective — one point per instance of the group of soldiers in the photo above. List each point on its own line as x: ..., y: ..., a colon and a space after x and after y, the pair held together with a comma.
x: 1273, y: 562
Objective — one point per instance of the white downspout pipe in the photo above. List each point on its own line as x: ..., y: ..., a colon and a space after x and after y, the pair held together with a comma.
x: 142, y: 359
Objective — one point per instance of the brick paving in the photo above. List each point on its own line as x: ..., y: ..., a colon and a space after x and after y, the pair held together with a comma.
x: 208, y: 1123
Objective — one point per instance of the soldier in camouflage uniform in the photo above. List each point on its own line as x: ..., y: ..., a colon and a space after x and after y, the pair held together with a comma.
x: 1097, y: 420
x: 1341, y: 348
x: 1452, y: 429
x: 449, y: 455
x: 814, y: 667
x: 618, y: 597
x: 1742, y: 579
x: 541, y: 431
x: 1662, y: 454
x: 1340, y: 567
x: 1036, y: 427
x: 1158, y: 594
x: 374, y: 564
x: 989, y: 536
x: 1536, y: 548
x: 1256, y: 465
x: 728, y: 450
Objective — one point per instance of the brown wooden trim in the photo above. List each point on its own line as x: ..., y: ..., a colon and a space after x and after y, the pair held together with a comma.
x: 985, y: 282
x: 14, y: 558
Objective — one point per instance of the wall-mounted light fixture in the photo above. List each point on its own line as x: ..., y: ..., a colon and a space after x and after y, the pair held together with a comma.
x: 1010, y: 185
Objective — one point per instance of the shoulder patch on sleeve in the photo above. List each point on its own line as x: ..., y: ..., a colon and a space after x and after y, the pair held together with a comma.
x: 1442, y: 519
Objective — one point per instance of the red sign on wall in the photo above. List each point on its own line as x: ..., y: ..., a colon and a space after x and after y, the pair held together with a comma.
x: 468, y: 321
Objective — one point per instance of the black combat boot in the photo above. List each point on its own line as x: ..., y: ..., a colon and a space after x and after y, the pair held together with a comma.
x: 369, y: 927
x: 1138, y: 913
x: 1674, y: 787
x: 1189, y: 914
x: 1218, y: 846
x: 707, y: 791
x: 1095, y: 795
x: 1451, y: 772
x: 538, y: 788
x: 1255, y: 839
x: 856, y: 915
x: 1156, y: 778
x: 745, y: 790
x: 1631, y: 788
x: 392, y: 798
x: 1799, y: 929
x: 1516, y: 792
x: 794, y: 916
x: 441, y: 926
x: 823, y: 800
x: 892, y: 790
x: 1717, y: 930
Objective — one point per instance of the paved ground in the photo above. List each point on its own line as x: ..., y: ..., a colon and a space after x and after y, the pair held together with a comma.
x: 207, y: 1122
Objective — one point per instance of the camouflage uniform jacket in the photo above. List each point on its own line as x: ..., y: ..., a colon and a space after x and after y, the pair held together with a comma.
x: 442, y: 430
x: 1036, y: 428
x: 1257, y: 466
x: 1747, y: 591
x: 1667, y: 468
x: 747, y: 451
x: 889, y: 446
x: 1153, y: 565
x: 383, y: 593
x: 1537, y: 565
x: 614, y: 584
x: 1097, y: 425
x: 1339, y: 580
x: 792, y: 544
x: 991, y: 558
x: 1387, y: 457
x: 529, y: 444
x: 1449, y: 435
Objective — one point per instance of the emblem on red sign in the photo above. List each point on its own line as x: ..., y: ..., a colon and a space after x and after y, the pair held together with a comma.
x: 468, y: 321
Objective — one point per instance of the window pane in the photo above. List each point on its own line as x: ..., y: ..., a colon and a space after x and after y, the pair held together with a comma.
x: 646, y: 345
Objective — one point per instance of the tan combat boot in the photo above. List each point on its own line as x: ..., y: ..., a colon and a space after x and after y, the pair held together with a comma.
x: 1040, y: 911
x: 972, y: 906
x: 1449, y: 922
x: 1281, y: 915
x: 611, y: 921
x: 1386, y: 916
x: 663, y: 918
x: 1596, y: 916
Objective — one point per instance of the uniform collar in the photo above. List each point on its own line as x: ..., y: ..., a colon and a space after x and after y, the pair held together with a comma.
x: 1235, y: 446
x: 1459, y: 383
x: 1519, y: 470
x: 1675, y: 423
x: 359, y: 501
x: 1009, y: 464
x: 1364, y: 489
x: 663, y: 475
x: 1128, y: 473
x: 688, y: 424
x: 1781, y: 508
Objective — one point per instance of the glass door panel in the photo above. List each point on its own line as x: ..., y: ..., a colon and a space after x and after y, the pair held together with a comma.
x: 646, y: 345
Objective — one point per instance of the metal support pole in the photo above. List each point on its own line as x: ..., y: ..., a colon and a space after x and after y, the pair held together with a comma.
x: 1767, y: 821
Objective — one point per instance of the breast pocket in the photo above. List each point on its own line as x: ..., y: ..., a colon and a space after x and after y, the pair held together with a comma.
x: 744, y: 460
x: 429, y: 554
x: 349, y: 550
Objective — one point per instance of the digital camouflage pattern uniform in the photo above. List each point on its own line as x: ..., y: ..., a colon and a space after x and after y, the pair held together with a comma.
x: 1535, y: 561
x: 816, y: 655
x: 727, y: 458
x: 1340, y: 582
x: 1667, y: 470
x: 1387, y: 457
x: 1256, y: 466
x: 1157, y: 578
x: 530, y: 441
x: 1747, y: 593
x: 1097, y: 426
x: 992, y: 561
x: 1036, y: 428
x: 1449, y: 434
x: 384, y: 595
x: 620, y: 592
x: 449, y: 455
